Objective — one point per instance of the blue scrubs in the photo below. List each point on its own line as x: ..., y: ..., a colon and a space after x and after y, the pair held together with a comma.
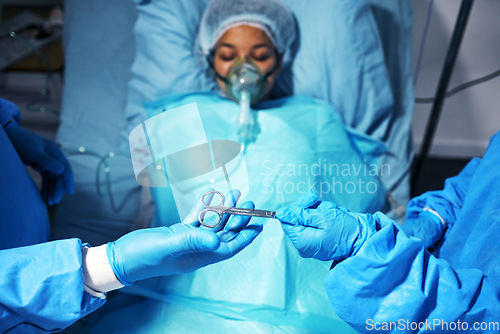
x: 22, y: 210
x: 41, y: 286
x: 394, y: 281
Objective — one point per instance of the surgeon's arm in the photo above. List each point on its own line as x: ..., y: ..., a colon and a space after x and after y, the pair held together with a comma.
x: 163, y: 251
x: 42, y: 287
x: 428, y: 215
x: 9, y: 113
x: 394, y: 279
x: 38, y: 152
x: 49, y: 286
x: 380, y: 276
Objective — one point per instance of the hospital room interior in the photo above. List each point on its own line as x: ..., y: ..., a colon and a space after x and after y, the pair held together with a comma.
x: 407, y: 88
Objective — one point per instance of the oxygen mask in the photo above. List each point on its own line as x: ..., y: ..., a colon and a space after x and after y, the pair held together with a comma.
x: 245, y: 78
x: 245, y: 84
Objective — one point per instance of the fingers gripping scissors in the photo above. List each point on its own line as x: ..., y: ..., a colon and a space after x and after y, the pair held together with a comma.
x: 211, y: 216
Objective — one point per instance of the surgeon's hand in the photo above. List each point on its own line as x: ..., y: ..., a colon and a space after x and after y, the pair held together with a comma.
x: 324, y: 231
x: 43, y: 155
x: 426, y: 227
x: 182, y: 247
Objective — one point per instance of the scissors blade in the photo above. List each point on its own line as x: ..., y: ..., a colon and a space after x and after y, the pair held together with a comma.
x: 251, y: 212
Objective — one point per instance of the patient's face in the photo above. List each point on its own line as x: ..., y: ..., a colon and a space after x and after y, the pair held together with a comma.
x: 246, y: 41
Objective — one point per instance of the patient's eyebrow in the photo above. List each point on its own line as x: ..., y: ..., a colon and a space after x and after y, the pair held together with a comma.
x: 227, y: 45
x: 261, y: 46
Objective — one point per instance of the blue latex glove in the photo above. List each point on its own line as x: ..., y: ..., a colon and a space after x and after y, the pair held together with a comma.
x: 180, y: 248
x: 324, y: 231
x: 43, y: 155
x: 427, y: 227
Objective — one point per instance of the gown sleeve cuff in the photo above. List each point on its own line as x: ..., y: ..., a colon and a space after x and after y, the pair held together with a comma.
x: 97, y: 272
x: 434, y: 212
x: 9, y: 113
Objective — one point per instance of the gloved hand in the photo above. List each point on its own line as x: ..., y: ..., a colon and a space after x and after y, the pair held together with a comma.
x: 426, y: 227
x: 180, y: 248
x: 43, y: 155
x: 324, y: 231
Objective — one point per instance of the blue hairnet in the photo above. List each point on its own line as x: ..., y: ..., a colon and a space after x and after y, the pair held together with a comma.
x: 271, y: 16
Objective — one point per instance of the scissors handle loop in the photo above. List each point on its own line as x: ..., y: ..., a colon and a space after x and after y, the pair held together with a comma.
x: 201, y: 218
x: 223, y: 199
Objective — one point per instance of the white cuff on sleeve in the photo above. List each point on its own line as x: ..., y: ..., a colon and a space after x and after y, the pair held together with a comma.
x: 443, y: 222
x: 97, y: 272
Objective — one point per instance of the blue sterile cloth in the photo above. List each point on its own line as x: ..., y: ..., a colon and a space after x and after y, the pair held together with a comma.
x: 268, y: 283
x: 393, y: 277
x: 301, y: 143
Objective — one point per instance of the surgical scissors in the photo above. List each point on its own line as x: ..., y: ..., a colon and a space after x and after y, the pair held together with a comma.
x: 220, y: 209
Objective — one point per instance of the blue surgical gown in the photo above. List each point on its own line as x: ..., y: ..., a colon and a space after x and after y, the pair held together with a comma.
x: 42, y: 285
x: 23, y: 213
x: 394, y: 281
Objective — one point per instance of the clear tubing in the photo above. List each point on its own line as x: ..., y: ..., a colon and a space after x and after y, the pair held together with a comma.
x: 102, y: 166
x: 246, y: 120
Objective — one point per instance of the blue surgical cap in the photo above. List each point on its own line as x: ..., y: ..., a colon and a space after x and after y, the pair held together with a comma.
x: 271, y: 16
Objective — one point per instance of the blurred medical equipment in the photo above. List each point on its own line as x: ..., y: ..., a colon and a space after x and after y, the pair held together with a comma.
x: 24, y: 34
x: 455, y: 90
x: 451, y: 56
x: 27, y: 33
x: 103, y: 173
x: 461, y: 87
x: 213, y: 213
